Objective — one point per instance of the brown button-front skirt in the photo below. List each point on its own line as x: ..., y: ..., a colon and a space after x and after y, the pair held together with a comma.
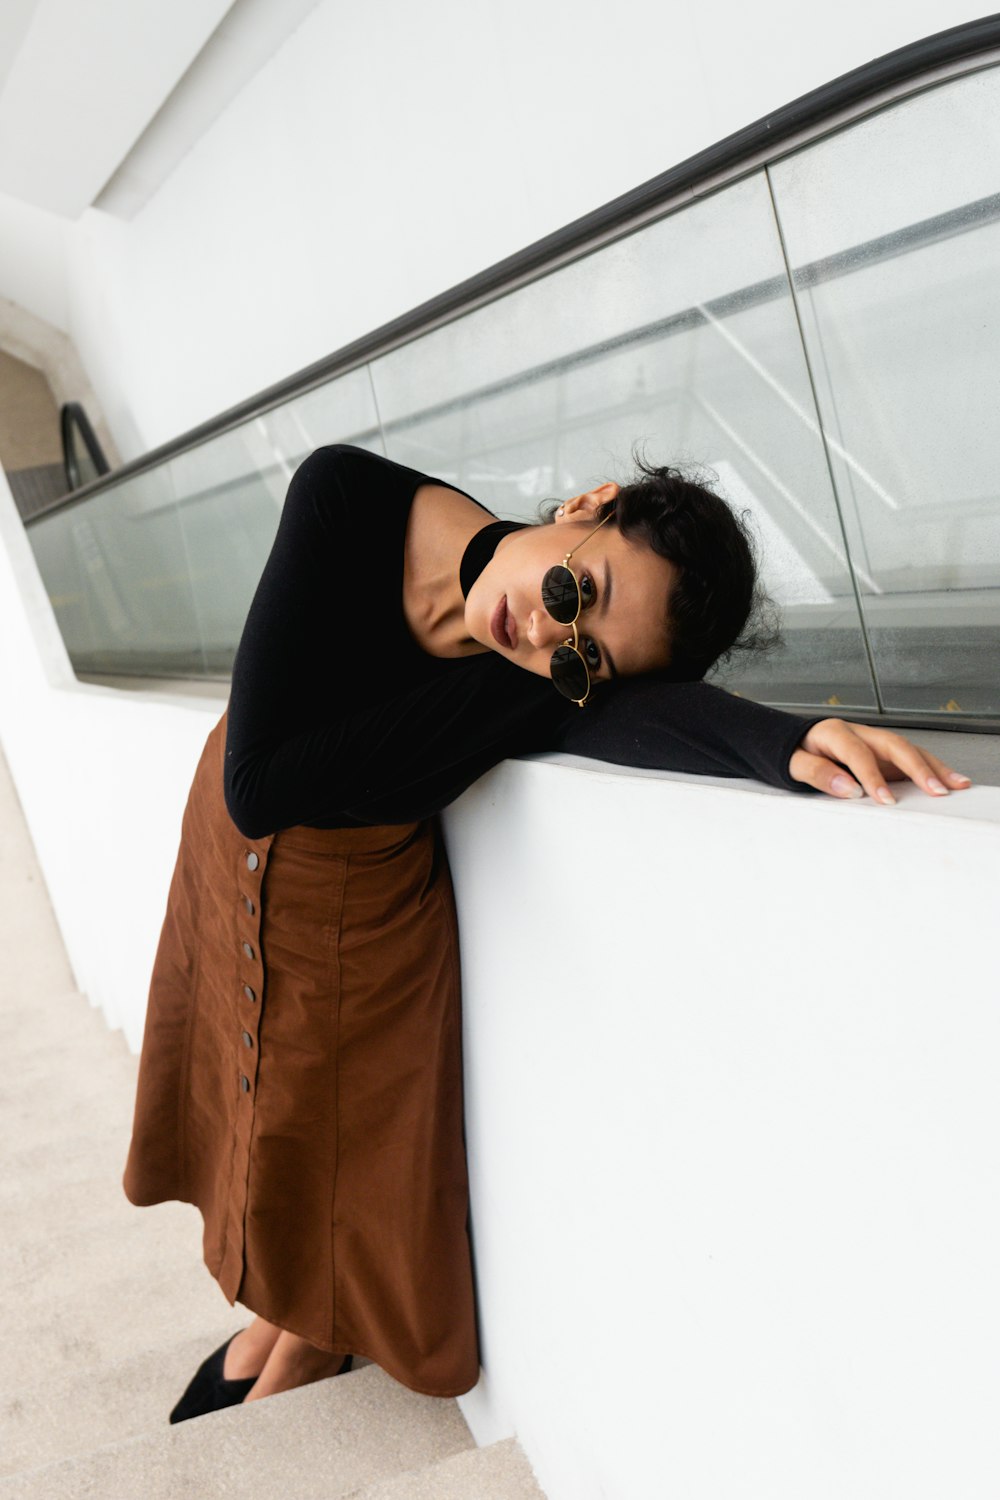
x: 300, y: 1081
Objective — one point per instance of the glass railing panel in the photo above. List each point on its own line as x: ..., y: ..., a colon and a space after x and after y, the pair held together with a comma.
x: 230, y: 492
x: 116, y: 568
x: 893, y: 234
x: 341, y: 411
x: 683, y: 338
x: 500, y: 376
x: 155, y: 575
x: 229, y: 495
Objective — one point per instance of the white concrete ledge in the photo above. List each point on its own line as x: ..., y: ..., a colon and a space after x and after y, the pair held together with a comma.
x: 979, y: 803
x: 732, y: 1115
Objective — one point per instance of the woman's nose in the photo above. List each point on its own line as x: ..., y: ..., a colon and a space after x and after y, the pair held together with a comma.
x: 544, y: 631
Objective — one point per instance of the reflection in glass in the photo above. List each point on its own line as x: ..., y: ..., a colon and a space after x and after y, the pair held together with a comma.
x: 683, y: 338
x: 896, y: 279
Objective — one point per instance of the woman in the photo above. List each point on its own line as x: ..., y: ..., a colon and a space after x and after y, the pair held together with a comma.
x: 300, y: 1078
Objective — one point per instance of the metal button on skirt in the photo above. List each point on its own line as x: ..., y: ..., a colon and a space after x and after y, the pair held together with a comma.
x: 300, y: 1082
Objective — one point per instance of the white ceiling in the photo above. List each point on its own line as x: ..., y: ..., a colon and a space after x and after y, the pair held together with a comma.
x: 248, y: 36
x: 79, y: 82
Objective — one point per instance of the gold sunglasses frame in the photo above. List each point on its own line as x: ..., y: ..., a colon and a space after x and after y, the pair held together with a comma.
x: 573, y: 643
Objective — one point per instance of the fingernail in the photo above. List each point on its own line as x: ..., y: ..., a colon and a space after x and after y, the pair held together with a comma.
x: 935, y: 785
x: 844, y: 787
x: 884, y: 795
x: 958, y: 777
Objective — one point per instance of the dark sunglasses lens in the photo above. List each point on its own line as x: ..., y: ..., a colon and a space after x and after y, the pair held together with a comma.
x: 569, y: 673
x: 560, y: 595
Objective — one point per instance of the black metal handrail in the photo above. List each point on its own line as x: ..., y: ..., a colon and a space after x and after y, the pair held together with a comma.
x: 763, y: 139
x: 73, y: 419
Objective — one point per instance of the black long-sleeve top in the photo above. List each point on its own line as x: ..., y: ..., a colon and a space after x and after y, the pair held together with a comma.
x: 338, y: 718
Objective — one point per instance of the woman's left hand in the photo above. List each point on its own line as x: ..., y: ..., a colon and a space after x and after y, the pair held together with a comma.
x: 874, y: 756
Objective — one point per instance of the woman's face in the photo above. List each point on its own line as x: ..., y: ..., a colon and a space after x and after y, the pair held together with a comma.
x: 623, y: 624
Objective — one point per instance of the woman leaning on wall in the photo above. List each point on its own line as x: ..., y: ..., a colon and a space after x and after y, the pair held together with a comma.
x: 300, y: 1078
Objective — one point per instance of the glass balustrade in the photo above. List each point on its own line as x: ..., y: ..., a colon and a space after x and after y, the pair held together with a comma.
x: 892, y: 233
x: 818, y: 339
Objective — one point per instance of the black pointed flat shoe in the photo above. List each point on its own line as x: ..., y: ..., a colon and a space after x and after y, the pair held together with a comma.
x: 208, y: 1389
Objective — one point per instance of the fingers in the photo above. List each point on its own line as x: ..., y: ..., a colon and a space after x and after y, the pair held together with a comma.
x: 957, y: 781
x: 920, y: 766
x: 825, y: 775
x: 868, y: 757
x: 828, y: 776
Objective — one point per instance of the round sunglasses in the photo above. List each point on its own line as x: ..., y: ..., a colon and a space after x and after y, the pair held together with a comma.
x: 562, y: 596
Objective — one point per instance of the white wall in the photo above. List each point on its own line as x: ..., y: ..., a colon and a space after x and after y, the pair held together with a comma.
x: 731, y: 1091
x: 385, y: 153
x: 102, y: 777
x: 732, y: 1115
x: 34, y: 254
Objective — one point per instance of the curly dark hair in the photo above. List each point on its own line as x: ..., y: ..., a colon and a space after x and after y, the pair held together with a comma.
x: 718, y: 607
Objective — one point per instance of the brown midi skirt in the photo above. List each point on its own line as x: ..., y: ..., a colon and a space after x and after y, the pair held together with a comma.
x: 301, y: 1083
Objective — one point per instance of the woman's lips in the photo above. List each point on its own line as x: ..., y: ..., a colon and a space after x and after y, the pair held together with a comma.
x: 503, y: 627
x: 511, y: 628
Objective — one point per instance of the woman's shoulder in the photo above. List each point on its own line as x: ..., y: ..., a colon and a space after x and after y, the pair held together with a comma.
x: 342, y: 468
x: 347, y: 472
x: 343, y: 462
x: 346, y: 494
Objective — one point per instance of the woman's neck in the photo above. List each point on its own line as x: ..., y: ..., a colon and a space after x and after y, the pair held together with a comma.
x: 441, y: 524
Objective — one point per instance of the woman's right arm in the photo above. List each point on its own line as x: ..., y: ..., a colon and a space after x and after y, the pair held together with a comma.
x: 301, y: 745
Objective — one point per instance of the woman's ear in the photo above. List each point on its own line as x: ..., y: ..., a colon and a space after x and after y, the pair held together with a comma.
x: 582, y: 507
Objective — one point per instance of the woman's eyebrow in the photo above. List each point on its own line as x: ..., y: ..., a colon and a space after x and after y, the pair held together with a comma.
x: 606, y: 582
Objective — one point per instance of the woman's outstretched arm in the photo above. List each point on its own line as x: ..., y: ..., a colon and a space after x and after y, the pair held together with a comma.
x: 702, y: 729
